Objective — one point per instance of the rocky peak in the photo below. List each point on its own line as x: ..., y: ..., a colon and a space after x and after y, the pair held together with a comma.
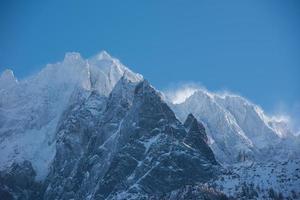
x: 120, y: 136
x: 103, y: 55
x: 7, y: 79
x: 197, y: 138
x: 151, y: 105
x: 194, y: 127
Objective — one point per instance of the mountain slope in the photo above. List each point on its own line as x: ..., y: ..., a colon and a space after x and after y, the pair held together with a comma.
x: 261, y: 180
x: 237, y: 128
x: 92, y: 129
x: 30, y: 109
x: 135, y: 148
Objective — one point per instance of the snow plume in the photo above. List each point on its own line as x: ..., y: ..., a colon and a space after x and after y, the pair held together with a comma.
x: 178, y: 93
x: 290, y: 114
x: 282, y: 119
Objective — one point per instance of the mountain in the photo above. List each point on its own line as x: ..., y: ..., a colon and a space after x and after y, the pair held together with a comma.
x: 238, y: 129
x: 92, y: 129
x: 31, y: 109
x: 136, y: 146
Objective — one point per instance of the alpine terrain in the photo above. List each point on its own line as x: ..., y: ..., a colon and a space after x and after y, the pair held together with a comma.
x: 93, y: 129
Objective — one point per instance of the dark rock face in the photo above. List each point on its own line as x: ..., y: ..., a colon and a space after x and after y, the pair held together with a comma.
x: 195, y: 128
x: 197, y: 137
x: 154, y: 160
x: 127, y: 146
x: 18, y: 182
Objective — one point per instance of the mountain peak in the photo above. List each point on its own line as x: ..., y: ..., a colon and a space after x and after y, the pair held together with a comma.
x: 7, y: 78
x: 193, y: 125
x: 7, y: 73
x: 190, y: 118
x: 103, y: 55
x: 144, y: 87
x: 70, y: 56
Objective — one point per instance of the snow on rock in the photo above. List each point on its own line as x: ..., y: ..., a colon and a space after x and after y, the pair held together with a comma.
x: 93, y: 129
x: 136, y: 146
x: 238, y: 127
x: 261, y: 180
x: 105, y: 72
x: 7, y: 79
x: 30, y: 109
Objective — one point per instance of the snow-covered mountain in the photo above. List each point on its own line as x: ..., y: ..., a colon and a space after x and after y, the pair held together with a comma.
x: 31, y: 109
x: 93, y: 129
x: 238, y: 129
x: 134, y: 146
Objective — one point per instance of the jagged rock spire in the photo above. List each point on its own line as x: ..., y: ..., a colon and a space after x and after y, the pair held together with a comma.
x: 192, y: 125
x: 197, y: 138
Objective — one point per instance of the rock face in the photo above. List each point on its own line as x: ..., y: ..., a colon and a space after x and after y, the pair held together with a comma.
x: 134, y: 146
x: 18, y: 182
x: 197, y: 138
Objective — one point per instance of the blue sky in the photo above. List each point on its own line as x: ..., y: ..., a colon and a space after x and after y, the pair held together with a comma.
x: 251, y: 47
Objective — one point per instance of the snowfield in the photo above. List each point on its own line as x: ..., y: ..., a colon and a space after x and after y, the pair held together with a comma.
x: 261, y: 180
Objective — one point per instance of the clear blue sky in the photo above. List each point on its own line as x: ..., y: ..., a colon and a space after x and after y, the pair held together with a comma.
x: 251, y: 47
